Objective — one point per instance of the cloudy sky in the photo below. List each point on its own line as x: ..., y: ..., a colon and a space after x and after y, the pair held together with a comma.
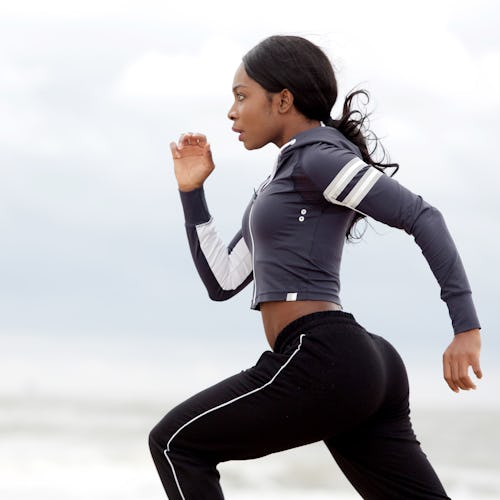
x: 92, y: 92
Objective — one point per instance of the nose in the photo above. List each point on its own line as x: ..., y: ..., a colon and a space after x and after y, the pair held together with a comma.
x: 231, y: 114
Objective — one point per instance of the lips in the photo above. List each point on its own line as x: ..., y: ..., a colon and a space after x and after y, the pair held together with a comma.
x: 238, y: 131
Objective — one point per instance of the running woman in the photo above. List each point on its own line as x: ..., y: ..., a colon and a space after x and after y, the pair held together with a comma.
x: 325, y: 378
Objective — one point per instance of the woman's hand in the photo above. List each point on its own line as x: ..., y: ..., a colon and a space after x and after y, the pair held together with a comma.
x: 461, y: 354
x: 192, y: 161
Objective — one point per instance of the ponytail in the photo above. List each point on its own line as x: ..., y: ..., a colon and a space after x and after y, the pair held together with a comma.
x: 353, y: 124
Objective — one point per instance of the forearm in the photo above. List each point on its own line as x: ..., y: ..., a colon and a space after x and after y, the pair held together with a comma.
x: 224, y: 270
x: 431, y: 234
x: 392, y: 204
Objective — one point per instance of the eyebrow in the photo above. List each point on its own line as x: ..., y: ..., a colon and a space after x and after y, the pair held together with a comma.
x: 238, y: 85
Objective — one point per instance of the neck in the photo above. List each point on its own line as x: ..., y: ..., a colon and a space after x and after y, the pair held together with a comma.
x: 294, y: 127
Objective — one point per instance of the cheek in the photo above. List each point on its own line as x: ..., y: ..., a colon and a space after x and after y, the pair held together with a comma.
x: 255, y: 112
x: 259, y: 120
x: 247, y: 112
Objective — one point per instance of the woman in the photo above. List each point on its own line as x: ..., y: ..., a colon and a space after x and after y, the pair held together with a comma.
x: 326, y: 377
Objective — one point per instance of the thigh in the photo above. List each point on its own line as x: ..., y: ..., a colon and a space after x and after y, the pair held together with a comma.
x: 250, y: 414
x: 286, y: 400
x: 381, y: 456
x: 384, y: 461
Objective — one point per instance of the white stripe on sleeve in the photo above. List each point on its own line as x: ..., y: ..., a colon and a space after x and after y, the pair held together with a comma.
x: 230, y: 269
x: 362, y: 188
x: 342, y: 179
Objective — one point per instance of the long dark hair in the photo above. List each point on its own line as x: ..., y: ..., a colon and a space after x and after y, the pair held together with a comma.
x: 294, y: 63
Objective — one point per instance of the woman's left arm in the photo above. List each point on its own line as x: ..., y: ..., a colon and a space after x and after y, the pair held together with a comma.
x: 348, y: 181
x: 391, y: 203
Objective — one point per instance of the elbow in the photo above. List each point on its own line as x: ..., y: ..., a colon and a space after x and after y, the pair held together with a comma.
x: 219, y: 295
x: 428, y: 216
x: 220, y: 292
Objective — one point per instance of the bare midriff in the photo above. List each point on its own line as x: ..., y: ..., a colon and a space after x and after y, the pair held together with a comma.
x: 276, y: 315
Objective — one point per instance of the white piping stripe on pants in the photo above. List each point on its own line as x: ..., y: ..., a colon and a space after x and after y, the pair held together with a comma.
x: 167, y: 450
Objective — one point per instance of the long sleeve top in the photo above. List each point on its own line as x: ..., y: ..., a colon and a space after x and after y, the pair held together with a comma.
x: 293, y: 230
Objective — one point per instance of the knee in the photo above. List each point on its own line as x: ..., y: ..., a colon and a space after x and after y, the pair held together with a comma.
x: 156, y: 439
x: 164, y: 431
x: 160, y: 435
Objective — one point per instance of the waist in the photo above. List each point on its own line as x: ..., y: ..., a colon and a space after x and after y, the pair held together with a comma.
x: 335, y: 320
x: 277, y: 315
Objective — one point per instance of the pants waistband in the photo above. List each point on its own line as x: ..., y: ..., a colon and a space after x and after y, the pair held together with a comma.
x: 297, y: 326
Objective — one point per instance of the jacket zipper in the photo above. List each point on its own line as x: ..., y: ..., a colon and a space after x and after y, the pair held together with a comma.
x: 253, y: 251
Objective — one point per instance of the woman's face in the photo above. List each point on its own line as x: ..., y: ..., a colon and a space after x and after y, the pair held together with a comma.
x: 254, y: 112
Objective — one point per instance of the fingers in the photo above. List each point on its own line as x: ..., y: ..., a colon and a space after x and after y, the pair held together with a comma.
x: 191, y: 139
x: 464, y: 381
x: 463, y: 353
x: 190, y: 144
x: 457, y: 376
x: 175, y: 150
x: 458, y: 380
x: 449, y: 376
x: 477, y: 369
x: 456, y: 372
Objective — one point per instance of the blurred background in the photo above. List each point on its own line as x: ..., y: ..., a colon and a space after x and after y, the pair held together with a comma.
x: 104, y: 324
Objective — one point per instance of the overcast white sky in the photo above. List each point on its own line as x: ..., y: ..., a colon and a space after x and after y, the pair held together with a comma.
x: 92, y: 92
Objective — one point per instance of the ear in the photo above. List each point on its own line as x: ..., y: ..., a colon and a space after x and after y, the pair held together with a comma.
x: 285, y: 102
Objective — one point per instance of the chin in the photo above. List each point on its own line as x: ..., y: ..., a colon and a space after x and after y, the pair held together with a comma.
x: 251, y: 146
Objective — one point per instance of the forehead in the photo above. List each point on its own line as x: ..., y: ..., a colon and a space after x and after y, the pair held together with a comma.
x: 241, y: 79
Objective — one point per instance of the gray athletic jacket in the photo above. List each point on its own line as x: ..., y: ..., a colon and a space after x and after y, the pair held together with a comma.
x: 293, y: 230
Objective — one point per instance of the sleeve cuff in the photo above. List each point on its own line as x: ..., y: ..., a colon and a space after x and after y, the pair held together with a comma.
x: 463, y: 313
x: 194, y: 206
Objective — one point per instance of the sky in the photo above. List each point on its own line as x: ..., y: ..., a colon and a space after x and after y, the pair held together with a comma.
x: 91, y: 93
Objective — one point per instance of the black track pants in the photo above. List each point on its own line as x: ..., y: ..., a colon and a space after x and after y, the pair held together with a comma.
x: 327, y: 379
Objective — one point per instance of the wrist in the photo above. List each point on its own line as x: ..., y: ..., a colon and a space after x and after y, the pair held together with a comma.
x: 194, y: 206
x: 187, y: 188
x: 473, y: 331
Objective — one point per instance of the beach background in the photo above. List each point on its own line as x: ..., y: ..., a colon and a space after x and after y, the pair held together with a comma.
x: 104, y: 324
x: 75, y: 416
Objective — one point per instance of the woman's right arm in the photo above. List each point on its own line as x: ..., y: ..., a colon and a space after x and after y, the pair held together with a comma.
x: 224, y: 270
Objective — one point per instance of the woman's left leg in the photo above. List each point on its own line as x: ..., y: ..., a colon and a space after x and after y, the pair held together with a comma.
x: 312, y: 388
x: 259, y: 411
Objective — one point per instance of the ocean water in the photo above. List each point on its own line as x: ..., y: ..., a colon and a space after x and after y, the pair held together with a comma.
x: 75, y: 417
x: 64, y: 449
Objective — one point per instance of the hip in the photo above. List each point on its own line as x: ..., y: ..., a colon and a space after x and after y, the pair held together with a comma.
x: 278, y: 315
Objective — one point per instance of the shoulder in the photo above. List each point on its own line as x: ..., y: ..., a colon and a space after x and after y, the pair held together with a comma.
x: 323, y: 159
x: 328, y: 136
x: 323, y: 145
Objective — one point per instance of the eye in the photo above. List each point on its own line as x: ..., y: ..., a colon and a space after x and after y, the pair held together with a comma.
x: 240, y: 97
